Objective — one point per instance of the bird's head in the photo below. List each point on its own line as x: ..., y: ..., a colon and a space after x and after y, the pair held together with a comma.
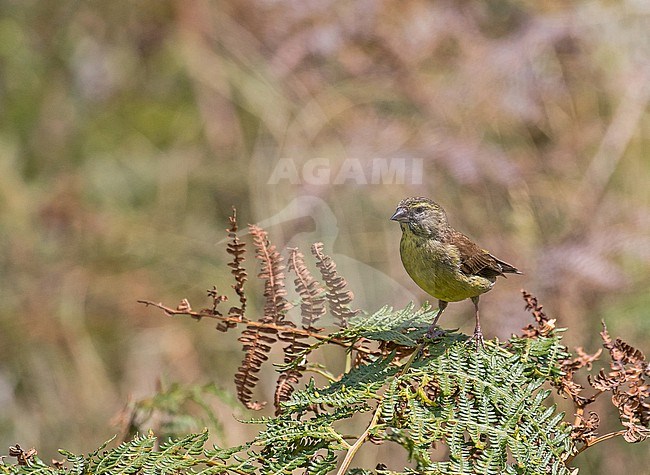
x: 421, y: 216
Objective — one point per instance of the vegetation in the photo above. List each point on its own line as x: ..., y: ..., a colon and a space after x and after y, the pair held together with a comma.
x: 127, y: 130
x: 453, y: 408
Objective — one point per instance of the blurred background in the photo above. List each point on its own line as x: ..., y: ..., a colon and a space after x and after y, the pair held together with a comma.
x: 128, y: 130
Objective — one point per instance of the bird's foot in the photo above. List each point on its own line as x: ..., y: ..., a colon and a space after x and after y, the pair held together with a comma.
x: 434, y: 332
x: 477, y: 338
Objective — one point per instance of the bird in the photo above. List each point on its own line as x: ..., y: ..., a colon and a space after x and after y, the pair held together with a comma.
x: 443, y: 262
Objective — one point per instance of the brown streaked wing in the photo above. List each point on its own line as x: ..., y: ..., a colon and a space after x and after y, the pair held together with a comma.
x: 505, y: 267
x: 473, y: 259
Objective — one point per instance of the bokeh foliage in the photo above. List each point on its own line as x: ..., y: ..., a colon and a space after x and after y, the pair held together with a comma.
x: 127, y: 131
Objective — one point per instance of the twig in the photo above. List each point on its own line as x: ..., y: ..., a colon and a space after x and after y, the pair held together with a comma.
x: 326, y: 374
x: 416, y: 352
x: 580, y: 410
x: 257, y: 324
x: 357, y: 445
x: 602, y: 438
x: 593, y: 442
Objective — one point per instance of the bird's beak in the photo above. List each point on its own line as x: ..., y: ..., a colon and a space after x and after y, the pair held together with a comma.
x: 401, y: 215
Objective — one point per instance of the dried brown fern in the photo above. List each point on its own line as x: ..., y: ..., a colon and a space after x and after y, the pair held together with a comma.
x: 544, y: 326
x: 259, y: 335
x: 217, y: 298
x: 237, y: 249
x: 337, y: 296
x: 630, y: 394
x: 312, y: 306
x: 24, y: 457
x: 259, y: 340
x: 585, y: 429
x: 567, y: 384
x: 627, y: 382
x: 257, y: 343
x: 275, y: 305
x: 295, y: 345
x: 284, y: 387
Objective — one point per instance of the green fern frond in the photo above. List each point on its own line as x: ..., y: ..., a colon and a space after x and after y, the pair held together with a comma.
x: 34, y: 467
x: 485, y: 406
x: 404, y: 327
x: 360, y: 384
x: 128, y: 457
x: 489, y: 408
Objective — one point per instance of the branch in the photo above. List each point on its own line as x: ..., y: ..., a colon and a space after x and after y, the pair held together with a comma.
x: 253, y: 323
x: 593, y: 442
x: 360, y: 441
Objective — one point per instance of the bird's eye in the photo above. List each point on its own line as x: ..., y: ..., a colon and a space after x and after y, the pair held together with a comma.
x: 419, y: 209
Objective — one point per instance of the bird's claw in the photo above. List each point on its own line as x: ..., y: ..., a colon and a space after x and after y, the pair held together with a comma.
x: 434, y: 332
x: 477, y: 338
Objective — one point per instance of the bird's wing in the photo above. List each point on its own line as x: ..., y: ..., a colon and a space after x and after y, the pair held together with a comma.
x: 477, y: 261
x: 505, y: 267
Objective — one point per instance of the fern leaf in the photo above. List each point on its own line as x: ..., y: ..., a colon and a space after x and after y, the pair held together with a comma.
x: 258, y: 340
x: 77, y: 462
x: 312, y: 306
x: 236, y: 249
x: 128, y: 457
x: 177, y: 455
x: 257, y: 343
x: 337, y: 296
x: 275, y: 305
x: 361, y: 383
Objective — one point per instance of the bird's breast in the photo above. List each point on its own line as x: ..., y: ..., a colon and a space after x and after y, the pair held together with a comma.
x: 435, y: 267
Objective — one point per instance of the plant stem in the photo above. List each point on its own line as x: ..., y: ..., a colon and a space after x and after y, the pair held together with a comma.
x: 326, y: 374
x: 348, y: 362
x: 414, y: 355
x: 593, y: 442
x: 580, y: 410
x: 256, y: 324
x: 357, y: 445
x: 602, y: 438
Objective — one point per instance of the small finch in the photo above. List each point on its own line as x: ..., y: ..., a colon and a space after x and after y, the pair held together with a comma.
x: 444, y: 262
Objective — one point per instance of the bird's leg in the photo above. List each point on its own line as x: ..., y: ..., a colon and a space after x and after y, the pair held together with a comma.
x: 434, y: 332
x: 478, y: 334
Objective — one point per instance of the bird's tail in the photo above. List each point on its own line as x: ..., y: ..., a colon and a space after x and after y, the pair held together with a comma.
x: 507, y: 268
